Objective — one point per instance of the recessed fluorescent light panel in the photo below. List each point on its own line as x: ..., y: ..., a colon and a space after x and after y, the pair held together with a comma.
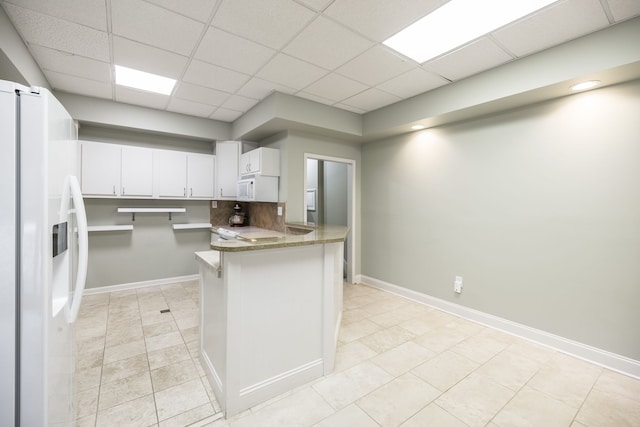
x: 417, y: 127
x: 456, y: 23
x: 144, y: 81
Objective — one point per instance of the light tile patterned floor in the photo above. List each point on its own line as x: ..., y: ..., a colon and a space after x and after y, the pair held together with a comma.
x: 398, y: 363
x: 138, y: 366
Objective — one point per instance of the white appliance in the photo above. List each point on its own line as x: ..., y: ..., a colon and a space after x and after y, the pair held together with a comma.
x: 43, y: 262
x: 258, y: 189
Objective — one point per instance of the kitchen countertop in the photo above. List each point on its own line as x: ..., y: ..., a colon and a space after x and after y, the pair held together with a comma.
x: 297, y: 234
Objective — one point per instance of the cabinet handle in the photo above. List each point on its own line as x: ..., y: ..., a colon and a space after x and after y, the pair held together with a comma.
x: 114, y: 190
x: 184, y: 191
x: 220, y: 191
x: 191, y: 195
x: 123, y: 191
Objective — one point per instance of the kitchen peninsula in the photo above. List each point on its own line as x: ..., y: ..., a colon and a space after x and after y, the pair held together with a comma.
x: 271, y: 307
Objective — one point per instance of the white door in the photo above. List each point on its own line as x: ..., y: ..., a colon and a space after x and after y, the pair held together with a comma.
x: 100, y: 169
x: 170, y: 173
x: 227, y: 160
x: 8, y: 260
x: 49, y: 299
x: 137, y: 172
x: 200, y: 175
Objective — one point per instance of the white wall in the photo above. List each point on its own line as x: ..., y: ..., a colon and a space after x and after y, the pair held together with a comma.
x: 153, y: 250
x: 335, y: 193
x: 293, y: 146
x: 538, y: 209
x: 312, y: 183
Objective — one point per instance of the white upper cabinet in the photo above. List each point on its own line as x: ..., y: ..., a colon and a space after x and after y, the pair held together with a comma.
x: 170, y: 173
x: 136, y: 172
x: 261, y: 161
x: 123, y: 171
x: 227, y: 157
x: 100, y: 169
x: 183, y: 175
x: 200, y: 175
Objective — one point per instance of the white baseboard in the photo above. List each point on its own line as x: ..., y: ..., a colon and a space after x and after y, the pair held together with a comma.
x: 137, y: 285
x: 595, y: 355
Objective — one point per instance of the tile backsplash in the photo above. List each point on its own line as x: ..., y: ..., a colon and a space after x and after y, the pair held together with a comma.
x: 259, y: 214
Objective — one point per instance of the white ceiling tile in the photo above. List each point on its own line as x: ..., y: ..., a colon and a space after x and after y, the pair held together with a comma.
x: 318, y: 5
x: 239, y: 103
x: 412, y: 83
x: 371, y: 99
x: 214, y: 77
x: 78, y: 85
x: 335, y: 87
x: 291, y: 72
x: 473, y: 58
x: 153, y: 25
x: 75, y: 65
x: 375, y: 66
x: 200, y: 94
x: 92, y: 13
x: 190, y: 108
x: 624, y: 9
x: 225, y: 115
x: 141, y: 98
x: 269, y: 22
x: 552, y: 26
x: 327, y: 44
x: 55, y: 33
x: 258, y: 89
x: 222, y: 48
x: 380, y: 19
x: 147, y: 58
x: 200, y: 10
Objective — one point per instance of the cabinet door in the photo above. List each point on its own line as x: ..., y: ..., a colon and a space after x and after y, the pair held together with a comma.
x: 100, y: 169
x: 261, y: 161
x: 170, y: 173
x: 137, y: 172
x: 200, y: 175
x: 226, y: 170
x: 245, y: 163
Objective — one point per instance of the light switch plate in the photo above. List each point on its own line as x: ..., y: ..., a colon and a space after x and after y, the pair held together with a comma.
x: 214, y: 204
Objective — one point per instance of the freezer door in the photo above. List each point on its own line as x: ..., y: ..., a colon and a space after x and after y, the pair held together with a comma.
x: 8, y: 251
x: 48, y: 156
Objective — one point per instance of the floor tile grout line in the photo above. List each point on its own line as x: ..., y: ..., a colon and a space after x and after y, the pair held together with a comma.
x: 153, y: 394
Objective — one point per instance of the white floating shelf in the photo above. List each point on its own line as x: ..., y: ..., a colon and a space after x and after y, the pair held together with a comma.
x: 150, y: 210
x: 93, y: 228
x: 134, y: 211
x: 191, y: 226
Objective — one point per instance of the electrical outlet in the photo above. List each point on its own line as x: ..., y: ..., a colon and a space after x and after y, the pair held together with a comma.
x: 214, y: 204
x: 457, y: 285
x: 279, y: 210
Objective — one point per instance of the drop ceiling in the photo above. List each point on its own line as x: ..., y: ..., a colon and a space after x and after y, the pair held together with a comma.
x: 228, y: 55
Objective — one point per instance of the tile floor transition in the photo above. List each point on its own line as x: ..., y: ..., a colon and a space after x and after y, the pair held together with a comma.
x: 398, y: 363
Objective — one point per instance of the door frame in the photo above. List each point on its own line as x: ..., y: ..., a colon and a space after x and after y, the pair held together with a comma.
x: 351, y: 205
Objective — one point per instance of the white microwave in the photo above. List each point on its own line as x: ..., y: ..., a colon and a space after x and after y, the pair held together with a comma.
x: 258, y: 189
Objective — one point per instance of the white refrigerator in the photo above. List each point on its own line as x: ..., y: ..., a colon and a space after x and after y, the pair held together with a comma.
x: 43, y: 257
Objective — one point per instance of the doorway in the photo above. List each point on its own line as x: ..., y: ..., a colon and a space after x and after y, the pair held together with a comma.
x: 330, y: 198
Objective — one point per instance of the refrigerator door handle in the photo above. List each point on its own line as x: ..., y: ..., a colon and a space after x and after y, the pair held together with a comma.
x: 83, y: 247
